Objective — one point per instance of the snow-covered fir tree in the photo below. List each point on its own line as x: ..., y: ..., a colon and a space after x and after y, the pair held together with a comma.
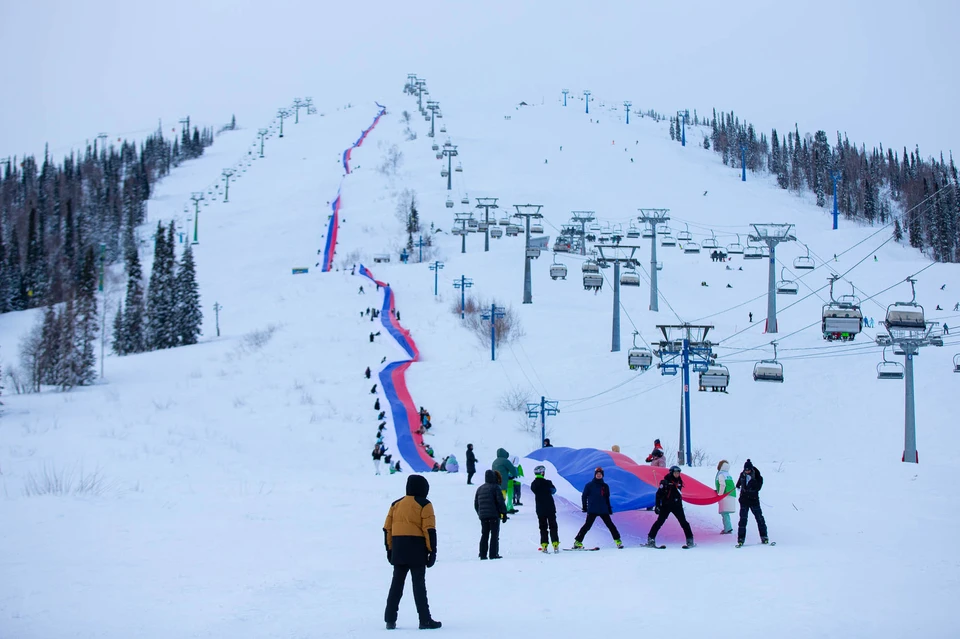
x: 188, y: 312
x: 86, y: 320
x: 132, y: 338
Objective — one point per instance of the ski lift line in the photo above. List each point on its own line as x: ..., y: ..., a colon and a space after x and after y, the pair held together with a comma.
x: 575, y: 402
x: 622, y: 399
x: 519, y: 365
x: 661, y: 295
x: 535, y: 373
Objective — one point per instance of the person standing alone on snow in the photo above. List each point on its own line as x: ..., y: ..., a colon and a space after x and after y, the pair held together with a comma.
x: 750, y: 482
x: 410, y: 535
x: 378, y: 451
x: 471, y: 464
x: 596, y: 503
x: 544, y: 490
x: 492, y: 510
x: 670, y: 500
x: 725, y: 486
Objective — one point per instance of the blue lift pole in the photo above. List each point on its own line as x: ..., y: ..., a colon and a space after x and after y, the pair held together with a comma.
x: 463, y: 284
x: 835, y: 175
x: 686, y: 393
x: 435, y: 267
x: 586, y: 95
x: 743, y: 163
x: 420, y: 244
x: 565, y: 92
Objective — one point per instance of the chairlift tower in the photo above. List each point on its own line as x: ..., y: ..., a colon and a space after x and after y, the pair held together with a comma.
x: 432, y: 107
x: 103, y: 140
x: 311, y: 108
x: 692, y: 349
x: 583, y: 217
x: 495, y: 313
x: 463, y: 284
x: 835, y: 176
x: 197, y: 197
x: 907, y: 328
x: 420, y: 84
x: 487, y: 203
x: 541, y: 410
x: 227, y: 174
x: 616, y: 259
x: 436, y: 267
x: 565, y: 92
x: 411, y: 81
x: 682, y: 116
x: 463, y: 219
x: 297, y: 105
x: 450, y: 151
x: 772, y: 234
x: 586, y: 96
x: 529, y: 211
x: 263, y: 134
x: 626, y: 107
x: 282, y: 114
x: 186, y: 124
x: 653, y: 217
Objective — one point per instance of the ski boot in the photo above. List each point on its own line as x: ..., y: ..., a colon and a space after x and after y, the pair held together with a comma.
x: 651, y: 542
x: 577, y: 545
x: 618, y: 543
x: 430, y: 624
x: 543, y: 547
x: 739, y: 543
x: 764, y: 540
x: 556, y: 547
x: 690, y: 543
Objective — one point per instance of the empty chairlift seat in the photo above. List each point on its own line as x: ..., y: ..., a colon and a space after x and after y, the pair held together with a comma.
x: 496, y: 232
x: 691, y: 247
x: 768, y: 370
x: 513, y: 230
x: 640, y: 358
x: 629, y: 278
x: 956, y: 363
x: 715, y: 378
x: 752, y: 253
x: 449, y: 203
x: 889, y: 370
x: 558, y: 271
x: 905, y: 316
x: 668, y: 240
x: 590, y: 266
x: 533, y: 252
x: 592, y: 280
x: 536, y: 228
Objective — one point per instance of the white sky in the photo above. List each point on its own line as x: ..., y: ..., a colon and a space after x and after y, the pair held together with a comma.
x: 877, y: 69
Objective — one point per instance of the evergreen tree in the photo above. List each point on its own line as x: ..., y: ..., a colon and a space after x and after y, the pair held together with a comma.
x: 66, y: 364
x: 160, y: 311
x: 189, y: 314
x: 16, y: 291
x: 84, y: 369
x: 49, y: 352
x: 35, y: 275
x: 4, y: 279
x: 118, y: 335
x: 133, y: 336
x: 820, y: 166
x: 672, y: 130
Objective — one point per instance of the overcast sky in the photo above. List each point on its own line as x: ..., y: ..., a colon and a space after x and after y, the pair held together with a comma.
x: 881, y: 71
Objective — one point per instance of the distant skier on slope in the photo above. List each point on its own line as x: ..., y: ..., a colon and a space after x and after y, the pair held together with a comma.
x: 669, y: 500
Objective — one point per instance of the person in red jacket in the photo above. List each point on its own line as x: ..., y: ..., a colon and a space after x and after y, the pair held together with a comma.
x: 656, y: 458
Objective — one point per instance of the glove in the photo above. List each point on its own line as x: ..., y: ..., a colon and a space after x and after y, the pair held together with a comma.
x: 656, y: 509
x: 390, y: 557
x: 504, y: 517
x: 583, y: 510
x: 431, y: 559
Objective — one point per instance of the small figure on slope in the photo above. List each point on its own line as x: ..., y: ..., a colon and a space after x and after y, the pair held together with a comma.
x: 471, y: 464
x: 544, y: 490
x: 596, y: 503
x: 492, y: 510
x: 670, y: 500
x: 367, y: 373
x: 378, y: 450
x: 725, y: 486
x: 750, y: 482
x: 508, y: 473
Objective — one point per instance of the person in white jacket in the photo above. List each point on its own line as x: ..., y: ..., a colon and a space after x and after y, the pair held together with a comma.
x: 726, y: 486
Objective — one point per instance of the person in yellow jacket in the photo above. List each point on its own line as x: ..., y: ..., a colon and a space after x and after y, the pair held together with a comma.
x: 410, y: 536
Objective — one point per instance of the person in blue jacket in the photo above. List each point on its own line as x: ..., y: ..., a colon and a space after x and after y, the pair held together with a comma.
x: 596, y: 503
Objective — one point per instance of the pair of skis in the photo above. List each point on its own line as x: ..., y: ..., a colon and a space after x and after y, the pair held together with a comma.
x: 769, y: 543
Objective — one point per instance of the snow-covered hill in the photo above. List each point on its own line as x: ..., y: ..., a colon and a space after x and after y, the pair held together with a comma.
x: 237, y: 495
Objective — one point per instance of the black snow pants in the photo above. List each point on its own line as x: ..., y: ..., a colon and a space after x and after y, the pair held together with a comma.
x: 490, y: 537
x: 418, y: 577
x: 745, y: 508
x: 589, y: 524
x: 548, y: 521
x: 470, y: 474
x: 665, y: 511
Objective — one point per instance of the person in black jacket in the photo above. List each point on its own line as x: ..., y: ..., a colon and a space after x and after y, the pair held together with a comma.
x: 367, y: 372
x: 544, y: 490
x: 749, y: 484
x: 410, y: 535
x: 596, y: 503
x: 471, y: 464
x: 670, y: 500
x: 491, y: 509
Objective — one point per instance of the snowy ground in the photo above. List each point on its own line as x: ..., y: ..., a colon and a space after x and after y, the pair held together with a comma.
x: 238, y: 497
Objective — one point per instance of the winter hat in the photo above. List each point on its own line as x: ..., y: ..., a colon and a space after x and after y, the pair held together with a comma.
x: 615, y: 448
x: 748, y: 465
x: 597, y: 470
x: 656, y: 443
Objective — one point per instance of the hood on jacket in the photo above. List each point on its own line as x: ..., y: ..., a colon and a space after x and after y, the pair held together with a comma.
x: 724, y: 466
x: 417, y: 486
x: 502, y: 453
x: 490, y: 477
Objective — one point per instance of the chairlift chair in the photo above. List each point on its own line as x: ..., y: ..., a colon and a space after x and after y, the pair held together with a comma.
x: 906, y: 316
x: 465, y: 200
x: 716, y: 378
x: 646, y: 234
x: 439, y: 156
x: 558, y: 270
x: 590, y: 266
x: 956, y: 363
x: 768, y: 370
x: 711, y: 242
x: 449, y: 203
x: 504, y: 221
x: 533, y: 252
x: 736, y: 248
x: 764, y: 251
x: 752, y: 252
x: 482, y: 225
x: 443, y: 128
x: 785, y: 286
x: 472, y: 223
x: 513, y: 230
x: 889, y: 370
x: 841, y: 321
x: 691, y: 247
x: 685, y: 236
x: 496, y: 232
x: 659, y: 266
x: 804, y: 263
x: 435, y: 147
x: 633, y: 232
x: 668, y: 240
x: 592, y: 280
x: 536, y: 228
x: 629, y: 278
x: 459, y: 168
x: 444, y: 173
x: 639, y: 357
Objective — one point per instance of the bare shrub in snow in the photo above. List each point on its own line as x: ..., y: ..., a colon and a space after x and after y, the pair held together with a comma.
x: 257, y: 339
x: 508, y: 327
x: 515, y: 399
x: 392, y: 161
x: 73, y: 481
x: 699, y: 457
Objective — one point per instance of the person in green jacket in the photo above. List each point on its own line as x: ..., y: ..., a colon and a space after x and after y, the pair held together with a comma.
x: 516, y: 482
x: 508, y: 472
x: 726, y: 486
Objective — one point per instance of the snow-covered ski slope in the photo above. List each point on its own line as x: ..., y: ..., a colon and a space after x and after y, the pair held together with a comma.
x: 238, y: 495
